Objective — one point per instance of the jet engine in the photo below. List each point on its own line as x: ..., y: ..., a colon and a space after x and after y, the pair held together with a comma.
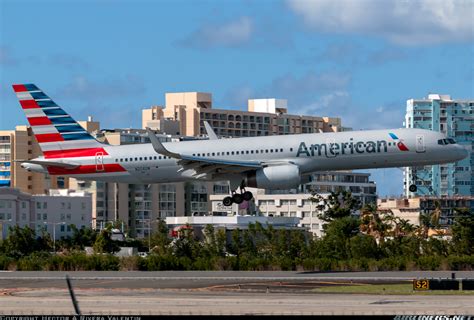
x: 279, y: 177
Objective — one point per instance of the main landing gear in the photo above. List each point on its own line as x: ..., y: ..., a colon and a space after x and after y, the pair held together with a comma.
x: 238, y: 198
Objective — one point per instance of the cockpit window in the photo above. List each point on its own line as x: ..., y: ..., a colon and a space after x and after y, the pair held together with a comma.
x: 446, y: 141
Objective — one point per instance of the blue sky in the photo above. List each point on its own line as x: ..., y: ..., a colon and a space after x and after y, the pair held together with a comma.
x: 359, y: 60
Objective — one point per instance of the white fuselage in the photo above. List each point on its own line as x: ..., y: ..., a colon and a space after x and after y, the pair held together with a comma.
x: 310, y: 152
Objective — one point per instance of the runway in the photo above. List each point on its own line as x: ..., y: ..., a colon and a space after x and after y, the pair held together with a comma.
x: 215, y: 293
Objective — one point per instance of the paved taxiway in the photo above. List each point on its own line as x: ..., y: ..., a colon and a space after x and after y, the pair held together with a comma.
x: 175, y: 292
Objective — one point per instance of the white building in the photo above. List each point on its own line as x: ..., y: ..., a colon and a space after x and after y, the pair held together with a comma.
x: 55, y: 212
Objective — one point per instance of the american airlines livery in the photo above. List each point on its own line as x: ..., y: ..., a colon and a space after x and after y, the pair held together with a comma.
x: 270, y: 162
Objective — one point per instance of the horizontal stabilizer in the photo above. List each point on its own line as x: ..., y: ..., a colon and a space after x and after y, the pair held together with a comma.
x: 46, y: 163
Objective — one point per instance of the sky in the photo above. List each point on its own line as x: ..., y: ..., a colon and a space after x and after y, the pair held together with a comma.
x: 357, y: 60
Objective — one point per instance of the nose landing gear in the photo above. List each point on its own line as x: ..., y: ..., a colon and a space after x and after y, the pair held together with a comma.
x: 238, y: 198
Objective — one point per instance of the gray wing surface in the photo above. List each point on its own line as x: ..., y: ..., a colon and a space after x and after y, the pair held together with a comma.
x: 204, y: 166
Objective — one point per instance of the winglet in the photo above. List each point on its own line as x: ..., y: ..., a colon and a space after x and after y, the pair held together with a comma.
x: 210, y: 133
x: 158, y: 146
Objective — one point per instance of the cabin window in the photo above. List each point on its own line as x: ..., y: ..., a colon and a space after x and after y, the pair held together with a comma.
x: 237, y: 152
x: 159, y: 157
x: 247, y: 152
x: 256, y: 151
x: 194, y: 154
x: 232, y: 152
x: 281, y: 150
x: 251, y: 151
x: 227, y: 152
x: 213, y: 154
x: 136, y: 159
x: 291, y: 149
x: 156, y: 157
x: 266, y: 151
x: 116, y: 160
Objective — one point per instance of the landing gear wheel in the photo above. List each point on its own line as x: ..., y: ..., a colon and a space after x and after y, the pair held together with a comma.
x: 412, y: 188
x: 247, y: 195
x: 237, y: 198
x: 227, y: 201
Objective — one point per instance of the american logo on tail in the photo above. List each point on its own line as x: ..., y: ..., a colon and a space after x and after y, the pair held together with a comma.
x: 58, y: 134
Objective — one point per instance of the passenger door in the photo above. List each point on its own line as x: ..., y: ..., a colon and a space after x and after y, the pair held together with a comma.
x: 99, y: 161
x: 420, y: 143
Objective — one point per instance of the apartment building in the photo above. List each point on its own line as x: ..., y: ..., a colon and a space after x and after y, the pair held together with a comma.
x: 264, y: 117
x: 455, y: 119
x: 21, y: 144
x: 296, y: 203
x: 54, y: 212
x: 412, y: 208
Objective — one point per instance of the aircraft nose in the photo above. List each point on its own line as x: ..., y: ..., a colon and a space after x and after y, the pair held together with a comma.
x: 461, y: 152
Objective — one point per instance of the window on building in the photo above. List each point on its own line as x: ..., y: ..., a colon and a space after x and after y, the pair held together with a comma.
x: 45, y: 216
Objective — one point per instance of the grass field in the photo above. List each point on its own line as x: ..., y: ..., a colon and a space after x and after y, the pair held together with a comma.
x: 404, y: 288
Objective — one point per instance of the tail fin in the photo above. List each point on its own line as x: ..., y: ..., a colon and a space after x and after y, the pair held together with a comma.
x: 58, y: 134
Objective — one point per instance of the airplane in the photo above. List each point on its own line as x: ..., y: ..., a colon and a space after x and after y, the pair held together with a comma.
x: 268, y: 162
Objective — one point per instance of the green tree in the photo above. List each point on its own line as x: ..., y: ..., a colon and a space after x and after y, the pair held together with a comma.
x: 363, y: 246
x: 160, y: 239
x: 337, y: 205
x: 104, y: 243
x: 337, y: 235
x: 373, y: 223
x: 187, y: 245
x: 83, y: 237
x: 463, y: 232
x: 23, y: 241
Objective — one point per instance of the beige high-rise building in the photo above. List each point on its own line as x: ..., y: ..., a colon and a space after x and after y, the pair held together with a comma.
x: 20, y: 144
x: 264, y: 117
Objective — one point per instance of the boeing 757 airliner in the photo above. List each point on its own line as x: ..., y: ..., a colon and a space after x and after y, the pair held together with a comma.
x: 270, y: 162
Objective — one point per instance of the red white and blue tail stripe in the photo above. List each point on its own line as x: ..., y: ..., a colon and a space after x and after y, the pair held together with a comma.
x: 58, y: 134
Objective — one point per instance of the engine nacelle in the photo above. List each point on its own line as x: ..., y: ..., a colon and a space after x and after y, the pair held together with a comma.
x: 278, y: 177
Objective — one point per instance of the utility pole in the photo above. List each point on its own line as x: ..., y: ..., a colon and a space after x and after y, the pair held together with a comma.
x: 54, y: 224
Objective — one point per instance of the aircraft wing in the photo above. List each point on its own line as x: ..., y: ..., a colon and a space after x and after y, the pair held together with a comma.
x: 203, y: 166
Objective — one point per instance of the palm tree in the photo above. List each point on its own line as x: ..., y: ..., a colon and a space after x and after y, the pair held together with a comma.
x: 436, y: 215
x: 372, y: 224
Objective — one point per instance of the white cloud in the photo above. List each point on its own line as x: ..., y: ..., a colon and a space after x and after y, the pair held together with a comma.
x: 402, y: 22
x: 233, y: 33
x: 326, y: 104
x: 85, y: 89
